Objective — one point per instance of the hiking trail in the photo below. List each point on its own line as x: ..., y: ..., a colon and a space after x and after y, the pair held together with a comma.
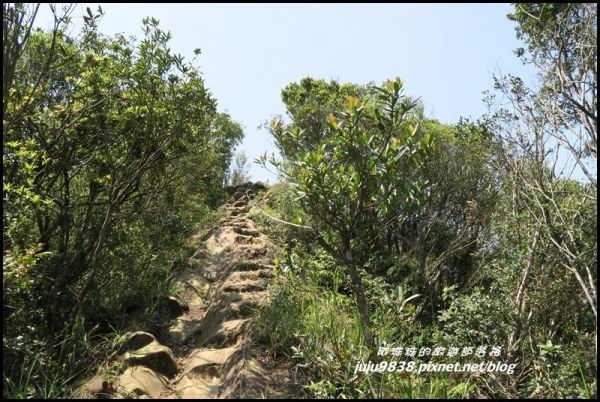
x: 202, y: 352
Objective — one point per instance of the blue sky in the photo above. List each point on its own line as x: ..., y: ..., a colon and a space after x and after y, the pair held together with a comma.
x: 445, y: 54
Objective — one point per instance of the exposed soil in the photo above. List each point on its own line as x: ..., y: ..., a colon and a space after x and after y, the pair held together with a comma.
x: 225, y: 282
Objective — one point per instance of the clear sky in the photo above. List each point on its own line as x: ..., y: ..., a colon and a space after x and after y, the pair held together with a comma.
x: 444, y: 53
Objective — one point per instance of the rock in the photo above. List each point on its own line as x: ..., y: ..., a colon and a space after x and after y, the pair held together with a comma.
x: 203, y: 361
x: 259, y: 185
x: 221, y: 241
x: 194, y: 286
x: 198, y: 388
x: 154, y: 356
x: 96, y: 388
x: 182, y: 330
x: 136, y: 340
x: 174, y: 306
x: 138, y: 381
x: 223, y: 335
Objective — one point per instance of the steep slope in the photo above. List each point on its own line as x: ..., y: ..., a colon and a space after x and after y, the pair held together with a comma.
x: 235, y: 259
x: 202, y: 353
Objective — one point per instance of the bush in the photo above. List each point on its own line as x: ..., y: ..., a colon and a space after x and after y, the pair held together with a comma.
x: 473, y: 319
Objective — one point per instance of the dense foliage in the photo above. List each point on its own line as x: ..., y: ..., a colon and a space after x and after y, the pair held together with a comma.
x: 112, y: 152
x: 481, y: 222
x: 396, y: 230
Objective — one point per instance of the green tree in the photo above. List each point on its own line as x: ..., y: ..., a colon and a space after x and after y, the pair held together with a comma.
x: 229, y: 134
x: 557, y: 114
x: 347, y: 180
x: 448, y: 227
x: 543, y: 250
x: 112, y: 148
x: 308, y: 103
x: 562, y: 45
x: 436, y: 238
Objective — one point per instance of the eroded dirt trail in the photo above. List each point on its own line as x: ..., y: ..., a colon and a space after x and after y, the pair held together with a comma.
x: 203, y: 351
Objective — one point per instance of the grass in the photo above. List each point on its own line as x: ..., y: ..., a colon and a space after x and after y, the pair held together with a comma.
x: 43, y: 378
x: 312, y: 320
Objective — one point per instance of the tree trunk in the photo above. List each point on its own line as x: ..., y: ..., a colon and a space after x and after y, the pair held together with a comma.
x: 418, y: 281
x: 361, y: 300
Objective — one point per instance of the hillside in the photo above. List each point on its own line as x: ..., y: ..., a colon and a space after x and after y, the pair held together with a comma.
x: 203, y: 352
x: 400, y: 253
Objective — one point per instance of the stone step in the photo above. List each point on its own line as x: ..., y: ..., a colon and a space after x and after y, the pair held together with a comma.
x: 141, y: 381
x: 155, y: 356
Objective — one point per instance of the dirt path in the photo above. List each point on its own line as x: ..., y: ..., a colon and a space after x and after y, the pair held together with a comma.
x: 203, y: 351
